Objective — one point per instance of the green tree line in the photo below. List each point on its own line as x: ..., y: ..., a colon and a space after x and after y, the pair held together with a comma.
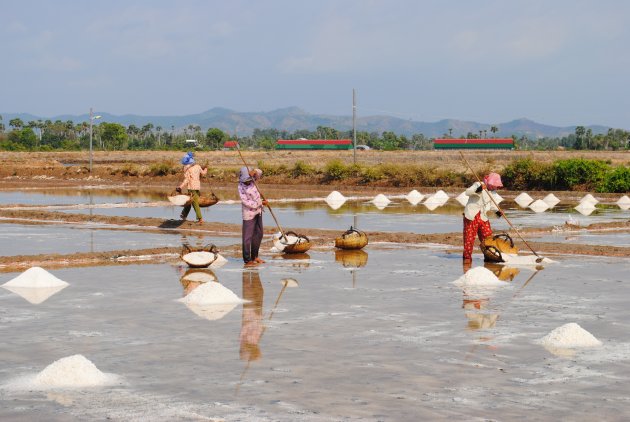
x: 45, y: 135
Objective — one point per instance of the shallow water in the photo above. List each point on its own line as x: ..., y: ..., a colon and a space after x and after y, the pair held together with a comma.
x: 610, y: 238
x: 18, y: 239
x: 391, y: 340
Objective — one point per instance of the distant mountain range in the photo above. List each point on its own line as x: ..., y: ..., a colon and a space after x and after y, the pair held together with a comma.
x: 294, y: 118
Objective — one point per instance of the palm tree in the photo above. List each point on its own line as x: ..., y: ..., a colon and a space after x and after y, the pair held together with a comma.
x: 494, y: 130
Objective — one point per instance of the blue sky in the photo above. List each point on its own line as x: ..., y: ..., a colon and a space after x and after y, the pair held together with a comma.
x: 557, y: 62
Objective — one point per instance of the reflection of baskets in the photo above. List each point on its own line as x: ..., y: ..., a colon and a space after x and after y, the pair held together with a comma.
x: 351, y: 258
x: 351, y: 239
x: 493, y: 247
x: 200, y: 257
x: 197, y: 275
x: 302, y: 244
x: 501, y: 271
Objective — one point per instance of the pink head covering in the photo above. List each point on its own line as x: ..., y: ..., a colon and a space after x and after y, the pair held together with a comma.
x: 493, y: 181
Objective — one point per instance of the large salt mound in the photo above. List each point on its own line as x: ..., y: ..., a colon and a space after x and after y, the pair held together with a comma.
x: 539, y: 206
x: 478, y: 276
x: 211, y: 294
x: 523, y: 199
x: 72, y: 371
x: 585, y: 208
x: 569, y: 336
x: 414, y: 197
x: 551, y: 200
x: 624, y: 202
x: 380, y: 199
x: 588, y: 198
x: 335, y: 200
x: 35, y: 277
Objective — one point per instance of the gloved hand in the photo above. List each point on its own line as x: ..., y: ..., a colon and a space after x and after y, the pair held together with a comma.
x: 499, y: 214
x: 265, y: 203
x: 178, y: 190
x: 479, y: 189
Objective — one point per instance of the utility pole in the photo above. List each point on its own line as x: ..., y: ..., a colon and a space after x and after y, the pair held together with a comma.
x: 354, y: 125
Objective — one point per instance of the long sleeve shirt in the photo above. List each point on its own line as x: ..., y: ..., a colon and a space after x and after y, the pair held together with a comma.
x: 478, y: 202
x: 251, y: 200
x: 192, y: 175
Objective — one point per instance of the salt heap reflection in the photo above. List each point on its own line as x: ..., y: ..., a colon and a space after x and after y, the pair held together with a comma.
x: 35, y: 285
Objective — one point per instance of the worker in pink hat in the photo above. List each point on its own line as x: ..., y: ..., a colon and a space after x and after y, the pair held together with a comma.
x: 476, y: 221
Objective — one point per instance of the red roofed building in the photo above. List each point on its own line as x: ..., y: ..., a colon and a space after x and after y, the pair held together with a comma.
x: 230, y: 144
x: 494, y: 143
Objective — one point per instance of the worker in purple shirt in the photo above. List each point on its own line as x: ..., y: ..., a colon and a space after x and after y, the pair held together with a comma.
x: 252, y: 205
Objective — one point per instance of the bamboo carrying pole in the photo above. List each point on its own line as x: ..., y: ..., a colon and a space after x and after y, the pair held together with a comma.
x: 283, y: 236
x: 539, y: 258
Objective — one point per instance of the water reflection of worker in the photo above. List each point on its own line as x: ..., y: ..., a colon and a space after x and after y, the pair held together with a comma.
x: 252, y: 326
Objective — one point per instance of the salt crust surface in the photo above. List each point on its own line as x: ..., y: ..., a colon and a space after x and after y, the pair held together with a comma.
x: 72, y: 372
x: 569, y: 336
x: 478, y: 276
x: 523, y: 199
x: 35, y: 277
x: 539, y: 206
x: 211, y: 294
x: 178, y: 200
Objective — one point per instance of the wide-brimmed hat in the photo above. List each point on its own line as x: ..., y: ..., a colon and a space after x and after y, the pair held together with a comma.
x: 188, y: 159
x: 493, y: 181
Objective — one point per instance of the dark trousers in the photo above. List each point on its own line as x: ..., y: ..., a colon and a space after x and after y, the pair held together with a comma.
x: 252, y: 236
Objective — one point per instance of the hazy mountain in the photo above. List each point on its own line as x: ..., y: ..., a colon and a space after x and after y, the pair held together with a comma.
x: 294, y: 118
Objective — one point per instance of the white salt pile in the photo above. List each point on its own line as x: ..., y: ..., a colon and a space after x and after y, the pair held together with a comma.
x: 624, y: 202
x: 72, y: 371
x: 414, y: 197
x: 438, y: 199
x: 381, y: 200
x: 280, y: 242
x: 539, y: 206
x: 585, y: 208
x: 478, y: 276
x: 35, y: 277
x: 588, y: 198
x: 569, y: 336
x: 335, y: 200
x: 179, y: 200
x: 523, y: 199
x: 551, y: 200
x: 462, y: 198
x: 211, y: 294
x: 200, y: 259
x: 35, y: 295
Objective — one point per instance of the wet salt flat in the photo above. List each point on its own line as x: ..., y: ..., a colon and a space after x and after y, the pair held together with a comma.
x: 392, y: 340
x: 609, y: 238
x: 18, y: 239
x: 395, y: 217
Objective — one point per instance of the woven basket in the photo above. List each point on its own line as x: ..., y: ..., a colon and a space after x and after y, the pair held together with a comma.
x: 204, y: 200
x: 212, y: 249
x: 351, y: 239
x: 302, y: 245
x: 493, y: 247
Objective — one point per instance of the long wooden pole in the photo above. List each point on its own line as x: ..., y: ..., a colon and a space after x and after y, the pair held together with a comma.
x: 539, y: 259
x: 261, y: 195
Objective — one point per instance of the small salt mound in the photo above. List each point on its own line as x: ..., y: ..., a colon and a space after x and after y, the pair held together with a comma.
x: 203, y: 259
x: 35, y: 277
x: 478, y: 276
x: 624, y: 202
x: 179, y: 200
x: 414, y: 197
x: 551, y: 200
x: 335, y: 200
x: 438, y: 199
x: 462, y: 198
x: 211, y: 294
x: 585, y: 208
x: 380, y: 199
x: 588, y: 198
x: 539, y: 206
x: 432, y: 205
x: 71, y: 371
x: 570, y: 336
x: 523, y: 200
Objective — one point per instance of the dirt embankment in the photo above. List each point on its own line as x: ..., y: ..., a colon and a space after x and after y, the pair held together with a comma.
x: 321, y: 239
x: 134, y: 168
